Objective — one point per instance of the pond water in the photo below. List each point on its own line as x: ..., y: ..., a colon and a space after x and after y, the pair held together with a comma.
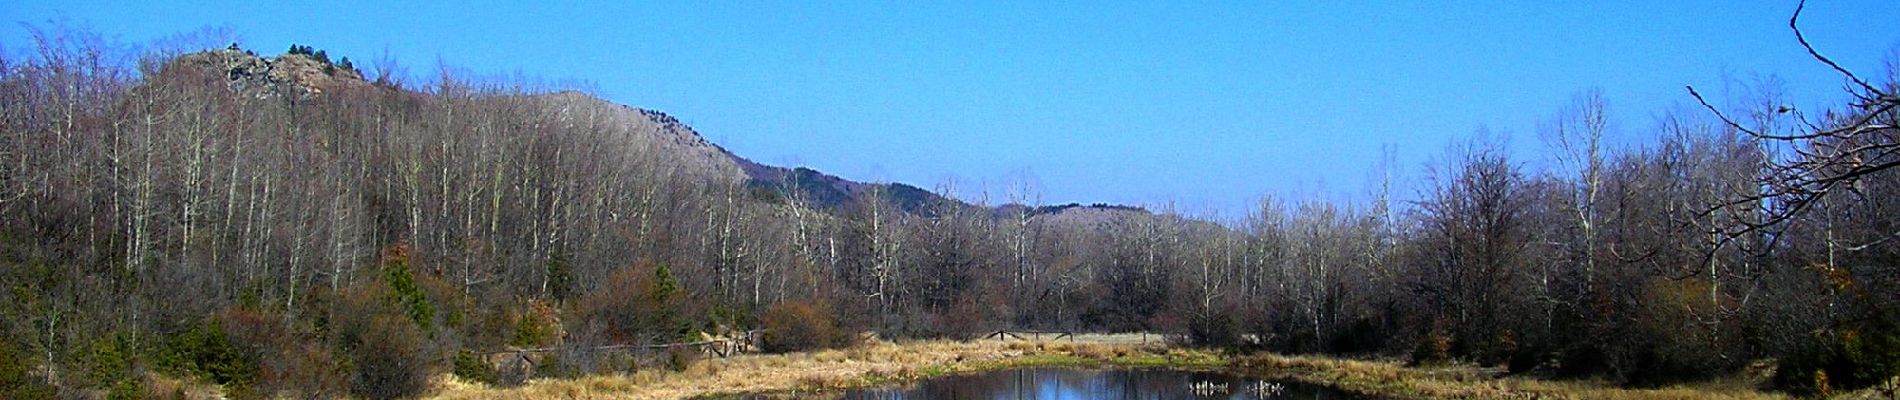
x: 1070, y: 383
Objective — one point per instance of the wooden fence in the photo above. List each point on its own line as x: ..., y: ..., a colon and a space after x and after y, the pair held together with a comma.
x: 1007, y: 334
x: 722, y: 347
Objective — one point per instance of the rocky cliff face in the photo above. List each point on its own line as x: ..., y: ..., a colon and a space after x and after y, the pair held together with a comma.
x: 258, y: 76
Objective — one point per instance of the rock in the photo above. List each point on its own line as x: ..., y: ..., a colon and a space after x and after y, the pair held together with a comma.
x: 261, y: 77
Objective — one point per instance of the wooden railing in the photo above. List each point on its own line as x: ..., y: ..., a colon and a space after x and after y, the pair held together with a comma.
x: 722, y: 347
x: 1006, y: 334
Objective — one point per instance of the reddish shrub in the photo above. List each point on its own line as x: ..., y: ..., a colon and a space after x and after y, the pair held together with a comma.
x: 641, y: 302
x: 287, y: 362
x: 796, y: 325
x: 394, y: 364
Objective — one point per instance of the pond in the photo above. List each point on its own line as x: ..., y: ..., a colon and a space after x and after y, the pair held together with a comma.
x: 1076, y: 384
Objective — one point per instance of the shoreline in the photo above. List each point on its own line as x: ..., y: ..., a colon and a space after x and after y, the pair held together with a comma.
x: 816, y: 374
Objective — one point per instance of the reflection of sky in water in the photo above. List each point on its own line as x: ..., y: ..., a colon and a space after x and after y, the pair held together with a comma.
x: 1078, y: 384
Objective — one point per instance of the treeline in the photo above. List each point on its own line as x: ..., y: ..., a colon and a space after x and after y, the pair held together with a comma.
x: 359, y: 237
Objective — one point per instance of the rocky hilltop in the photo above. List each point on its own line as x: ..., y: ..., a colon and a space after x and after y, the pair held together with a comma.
x: 682, y: 148
x: 289, y: 74
x: 679, y: 147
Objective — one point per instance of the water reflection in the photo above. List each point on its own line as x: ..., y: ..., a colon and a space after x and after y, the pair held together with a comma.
x: 1064, y: 384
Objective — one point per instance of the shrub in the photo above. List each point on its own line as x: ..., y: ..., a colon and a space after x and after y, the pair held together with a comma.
x: 403, y: 285
x: 109, y: 361
x: 384, y: 352
x: 470, y: 366
x: 392, y: 363
x: 1850, y: 360
x: 964, y: 320
x: 1361, y: 336
x: 1672, y: 346
x: 560, y: 275
x: 644, y: 302
x: 537, y: 326
x: 1582, y: 360
x: 513, y: 372
x: 205, y: 351
x: 16, y: 379
x: 1434, y: 349
x: 307, y: 370
x: 664, y: 299
x: 1218, y: 329
x: 678, y: 358
x: 286, y: 362
x: 126, y: 389
x: 796, y: 325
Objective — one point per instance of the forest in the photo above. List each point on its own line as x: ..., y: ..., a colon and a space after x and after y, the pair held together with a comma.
x: 311, y: 231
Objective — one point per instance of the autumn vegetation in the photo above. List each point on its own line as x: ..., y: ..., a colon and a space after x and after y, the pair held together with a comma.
x: 166, y: 218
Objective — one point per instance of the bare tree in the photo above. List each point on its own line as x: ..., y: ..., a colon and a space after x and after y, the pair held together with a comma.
x: 1823, y: 153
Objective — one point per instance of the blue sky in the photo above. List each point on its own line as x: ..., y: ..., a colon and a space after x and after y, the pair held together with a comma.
x: 1209, y: 105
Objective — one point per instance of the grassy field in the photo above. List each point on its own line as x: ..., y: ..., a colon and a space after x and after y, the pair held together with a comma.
x: 803, y: 375
x: 835, y: 370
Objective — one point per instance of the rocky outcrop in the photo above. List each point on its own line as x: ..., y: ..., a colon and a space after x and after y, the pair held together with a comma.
x: 253, y: 75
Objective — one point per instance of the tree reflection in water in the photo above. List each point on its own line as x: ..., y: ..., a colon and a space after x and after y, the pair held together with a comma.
x: 1076, y: 384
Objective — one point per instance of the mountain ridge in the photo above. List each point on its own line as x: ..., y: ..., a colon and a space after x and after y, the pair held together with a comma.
x: 686, y: 150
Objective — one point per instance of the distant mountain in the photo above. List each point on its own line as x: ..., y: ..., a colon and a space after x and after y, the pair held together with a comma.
x: 689, y: 152
x: 678, y: 146
x: 815, y: 188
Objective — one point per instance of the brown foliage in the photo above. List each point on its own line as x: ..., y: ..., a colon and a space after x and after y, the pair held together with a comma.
x: 287, y: 362
x: 395, y: 364
x: 799, y: 325
x: 388, y: 353
x: 634, y: 305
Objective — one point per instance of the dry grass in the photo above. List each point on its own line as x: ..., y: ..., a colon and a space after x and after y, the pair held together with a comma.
x: 804, y: 375
x: 828, y: 370
x: 1392, y: 379
x: 161, y: 387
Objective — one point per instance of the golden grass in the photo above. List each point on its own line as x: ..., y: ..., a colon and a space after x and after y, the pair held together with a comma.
x: 805, y: 375
x: 1392, y: 379
x: 156, y: 386
x: 828, y: 370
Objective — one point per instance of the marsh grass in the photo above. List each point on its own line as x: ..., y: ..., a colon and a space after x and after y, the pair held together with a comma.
x: 829, y: 372
x: 1394, y: 379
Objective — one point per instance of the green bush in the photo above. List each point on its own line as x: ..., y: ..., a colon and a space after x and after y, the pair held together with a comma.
x: 126, y: 389
x: 470, y: 366
x: 402, y: 283
x: 109, y: 361
x: 16, y: 379
x: 560, y: 275
x: 204, y: 350
x: 664, y: 299
x: 537, y: 326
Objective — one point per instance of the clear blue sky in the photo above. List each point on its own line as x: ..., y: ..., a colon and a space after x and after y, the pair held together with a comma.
x: 1208, y: 105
